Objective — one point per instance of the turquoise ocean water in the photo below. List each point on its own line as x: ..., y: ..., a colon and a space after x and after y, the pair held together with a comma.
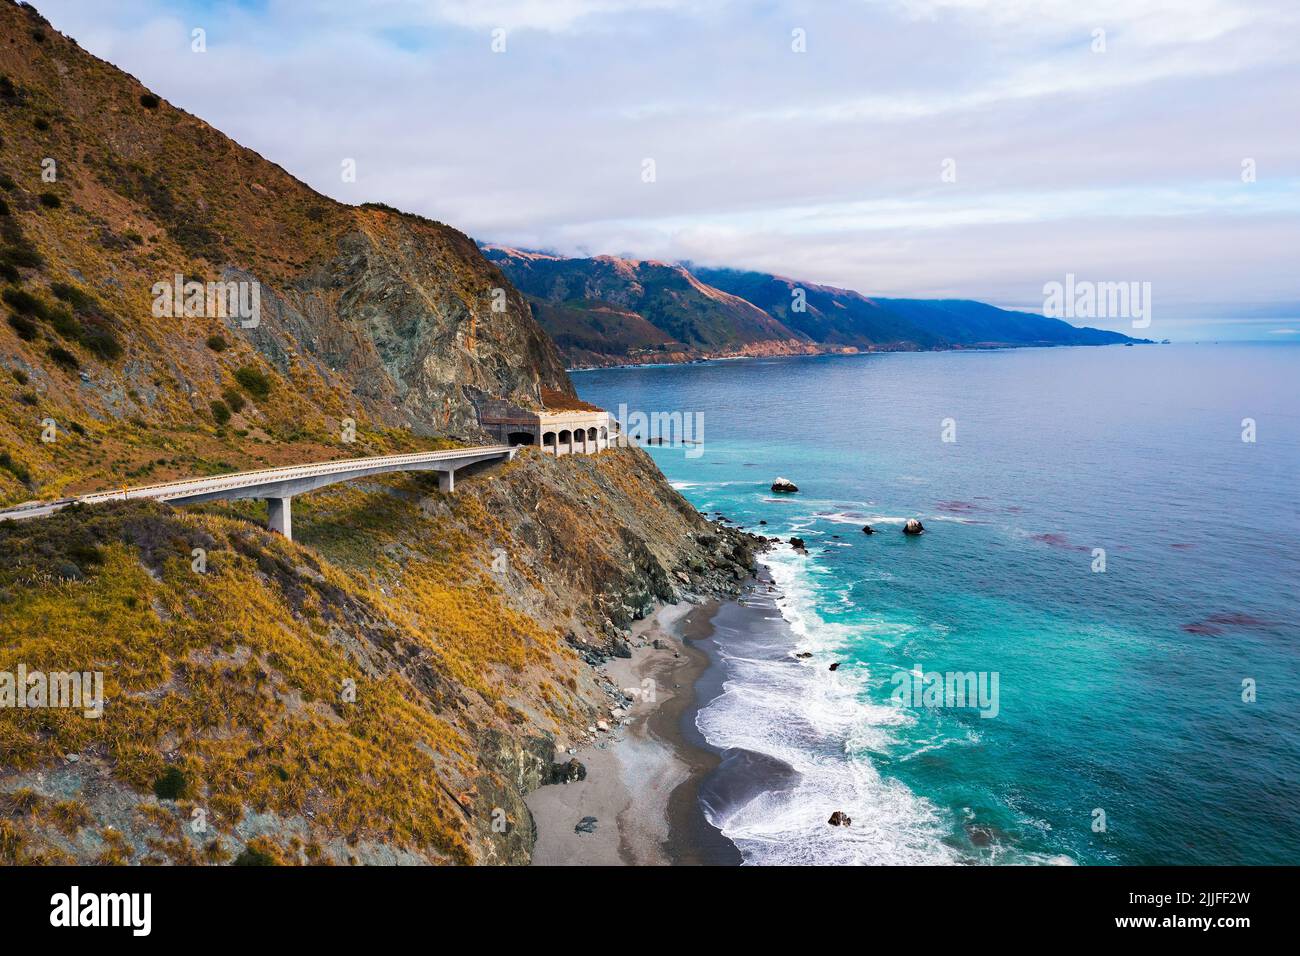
x: 1121, y: 733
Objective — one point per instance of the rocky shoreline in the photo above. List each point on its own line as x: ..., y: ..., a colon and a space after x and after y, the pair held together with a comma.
x: 633, y: 796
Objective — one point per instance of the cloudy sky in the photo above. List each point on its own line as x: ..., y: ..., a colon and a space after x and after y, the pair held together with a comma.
x: 1105, y: 139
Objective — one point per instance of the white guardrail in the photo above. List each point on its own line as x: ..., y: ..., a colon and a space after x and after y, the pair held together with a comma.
x: 167, y: 490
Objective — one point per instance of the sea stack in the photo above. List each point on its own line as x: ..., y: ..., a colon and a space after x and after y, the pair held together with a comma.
x: 785, y: 486
x: 913, y: 527
x: 867, y: 529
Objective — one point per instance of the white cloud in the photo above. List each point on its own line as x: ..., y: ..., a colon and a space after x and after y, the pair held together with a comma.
x: 823, y: 165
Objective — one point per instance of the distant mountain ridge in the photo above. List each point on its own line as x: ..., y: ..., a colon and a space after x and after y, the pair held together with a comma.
x: 607, y: 310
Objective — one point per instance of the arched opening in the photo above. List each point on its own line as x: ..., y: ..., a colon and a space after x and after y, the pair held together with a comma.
x: 603, y: 441
x: 548, y: 443
x: 566, y: 442
x: 520, y: 438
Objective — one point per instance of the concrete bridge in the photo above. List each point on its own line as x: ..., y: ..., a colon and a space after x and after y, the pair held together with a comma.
x: 279, y: 485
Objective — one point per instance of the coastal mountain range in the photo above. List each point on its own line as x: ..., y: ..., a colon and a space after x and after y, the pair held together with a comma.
x: 607, y: 310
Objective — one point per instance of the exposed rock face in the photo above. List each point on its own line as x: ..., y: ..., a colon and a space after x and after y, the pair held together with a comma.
x: 421, y: 296
x: 784, y: 486
x: 867, y: 529
x: 798, y: 545
x: 571, y: 771
x: 840, y: 819
x: 363, y: 312
x: 913, y: 527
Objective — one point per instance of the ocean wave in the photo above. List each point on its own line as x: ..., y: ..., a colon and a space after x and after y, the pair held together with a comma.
x: 820, y: 723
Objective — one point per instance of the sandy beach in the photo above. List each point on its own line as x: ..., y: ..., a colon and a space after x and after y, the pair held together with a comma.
x: 643, y: 777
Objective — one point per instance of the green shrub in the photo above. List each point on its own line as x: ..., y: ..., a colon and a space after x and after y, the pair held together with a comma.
x: 8, y: 272
x: 22, y: 301
x: 254, y: 381
x: 19, y: 376
x: 79, y: 299
x: 99, y: 340
x: 253, y: 856
x: 149, y: 101
x: 23, y: 256
x: 7, y: 183
x: 63, y: 357
x: 220, y: 412
x: 234, y: 400
x: 172, y: 784
x: 64, y: 322
x: 24, y: 327
x: 15, y: 468
x: 217, y: 342
x: 50, y: 201
x: 41, y: 123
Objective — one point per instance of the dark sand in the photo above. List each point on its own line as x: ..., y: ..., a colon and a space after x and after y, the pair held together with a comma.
x: 643, y: 777
x: 650, y: 779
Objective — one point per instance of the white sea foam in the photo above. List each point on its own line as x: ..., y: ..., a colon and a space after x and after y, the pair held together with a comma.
x: 820, y: 723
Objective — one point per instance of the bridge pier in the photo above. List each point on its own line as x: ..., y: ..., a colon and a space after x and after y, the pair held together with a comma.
x: 279, y: 516
x: 447, y: 481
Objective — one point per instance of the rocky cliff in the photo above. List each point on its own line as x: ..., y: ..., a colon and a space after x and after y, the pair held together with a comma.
x: 109, y: 194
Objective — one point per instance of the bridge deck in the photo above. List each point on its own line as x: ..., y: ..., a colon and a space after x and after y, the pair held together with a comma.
x: 280, y: 482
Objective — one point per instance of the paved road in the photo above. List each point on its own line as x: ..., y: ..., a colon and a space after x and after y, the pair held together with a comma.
x: 277, y: 484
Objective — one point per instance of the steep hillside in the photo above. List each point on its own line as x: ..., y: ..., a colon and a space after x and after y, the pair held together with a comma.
x: 106, y: 191
x: 608, y: 311
x: 963, y: 322
x: 650, y: 311
x: 387, y: 686
x: 378, y: 690
x: 845, y: 317
x: 831, y: 316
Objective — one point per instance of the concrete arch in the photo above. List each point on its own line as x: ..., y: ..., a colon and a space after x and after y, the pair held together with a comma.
x: 549, y: 443
x: 565, y: 439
